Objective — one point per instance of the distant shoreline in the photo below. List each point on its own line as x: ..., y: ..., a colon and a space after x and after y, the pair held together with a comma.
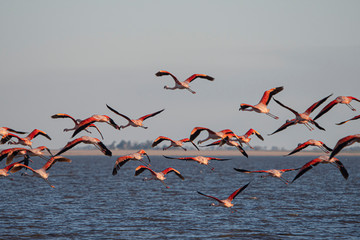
x: 95, y: 152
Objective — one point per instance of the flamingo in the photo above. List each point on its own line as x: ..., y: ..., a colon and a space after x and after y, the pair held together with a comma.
x: 226, y: 202
x: 184, y: 84
x: 14, y: 152
x: 94, y: 118
x: 178, y: 143
x: 340, y: 99
x: 4, y: 132
x: 212, y: 134
x: 200, y: 159
x: 229, y: 142
x: 246, y: 137
x: 304, y: 118
x: 27, y: 140
x: 344, y: 142
x: 354, y: 118
x: 311, y: 142
x: 135, y: 122
x: 4, y: 172
x: 322, y: 159
x: 87, y: 140
x: 276, y: 173
x: 158, y: 175
x: 124, y: 159
x: 76, y: 122
x: 41, y: 172
x: 261, y: 107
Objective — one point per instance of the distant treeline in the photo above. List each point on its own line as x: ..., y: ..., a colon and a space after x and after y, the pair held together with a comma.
x: 124, y: 145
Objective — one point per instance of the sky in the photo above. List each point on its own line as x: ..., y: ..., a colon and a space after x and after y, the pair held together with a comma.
x: 76, y: 56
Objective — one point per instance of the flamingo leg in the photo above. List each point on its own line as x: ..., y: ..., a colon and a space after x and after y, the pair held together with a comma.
x: 324, y: 149
x: 308, y: 126
x: 272, y: 115
x: 193, y: 92
x: 164, y: 184
x: 284, y: 180
x: 351, y: 107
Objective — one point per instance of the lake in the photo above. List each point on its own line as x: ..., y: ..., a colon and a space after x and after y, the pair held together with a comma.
x: 89, y: 203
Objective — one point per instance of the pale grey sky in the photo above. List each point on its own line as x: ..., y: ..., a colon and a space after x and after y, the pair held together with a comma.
x: 75, y: 57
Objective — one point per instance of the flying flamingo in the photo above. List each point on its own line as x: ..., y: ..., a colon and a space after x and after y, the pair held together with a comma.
x: 261, y: 107
x: 226, y: 202
x: 276, y: 173
x: 304, y: 118
x: 91, y: 120
x: 341, y: 99
x: 27, y: 140
x: 211, y: 134
x: 178, y: 143
x: 157, y: 175
x: 354, y: 118
x: 344, y: 142
x: 311, y: 142
x: 41, y: 172
x: 4, y: 172
x: 15, y: 152
x: 229, y: 142
x: 184, y: 84
x: 322, y: 159
x: 87, y: 140
x: 200, y: 159
x: 76, y: 122
x: 4, y: 132
x: 135, y: 122
x: 246, y: 137
x: 124, y: 159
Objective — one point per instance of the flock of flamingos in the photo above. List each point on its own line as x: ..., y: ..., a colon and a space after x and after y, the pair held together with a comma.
x: 222, y: 137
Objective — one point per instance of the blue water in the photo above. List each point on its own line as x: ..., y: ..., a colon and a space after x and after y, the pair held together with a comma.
x: 89, y: 203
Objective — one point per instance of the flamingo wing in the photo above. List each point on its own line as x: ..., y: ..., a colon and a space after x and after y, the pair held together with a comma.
x: 63, y: 115
x: 299, y: 148
x: 219, y: 159
x: 94, y: 126
x: 245, y: 106
x: 53, y: 160
x: 315, y: 105
x: 164, y: 73
x: 83, y: 125
x: 150, y: 115
x: 354, y: 118
x: 14, y: 131
x: 119, y: 163
x: 196, y: 131
x: 122, y: 115
x: 269, y: 93
x: 215, y: 198
x: 142, y: 168
x: 170, y: 169
x: 37, y: 132
x: 194, y: 76
x: 307, y: 167
x: 342, y: 169
x: 70, y: 145
x: 234, y: 194
x: 253, y: 131
x: 159, y: 140
x: 326, y: 108
x: 288, y: 108
x: 18, y: 166
x: 214, y: 143
x: 343, y: 142
x: 284, y: 126
x: 180, y: 158
x: 247, y: 171
x: 103, y: 148
x: 188, y: 140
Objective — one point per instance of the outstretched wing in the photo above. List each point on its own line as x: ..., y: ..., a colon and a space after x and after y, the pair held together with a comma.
x: 307, y: 167
x: 159, y: 140
x: 170, y: 169
x: 247, y: 171
x: 63, y: 115
x: 269, y: 93
x: 288, y: 108
x: 342, y: 169
x: 127, y: 118
x: 150, y: 115
x: 37, y: 132
x: 354, y: 118
x: 234, y: 194
x: 315, y: 105
x: 194, y: 76
x: 343, y: 142
x: 327, y: 108
x: 284, y: 126
x: 299, y: 148
x: 215, y: 198
x: 164, y: 73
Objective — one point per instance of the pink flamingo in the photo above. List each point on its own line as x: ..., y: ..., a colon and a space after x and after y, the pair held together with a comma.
x: 322, y: 159
x: 87, y: 140
x: 157, y: 175
x: 311, y: 142
x: 341, y: 99
x: 228, y: 201
x: 173, y: 143
x: 76, y: 122
x: 124, y: 159
x: 135, y: 122
x: 344, y: 142
x: 261, y: 107
x: 15, y: 152
x: 211, y: 134
x: 276, y: 173
x: 41, y: 172
x: 227, y: 140
x: 303, y: 118
x: 27, y: 140
x: 200, y: 159
x: 184, y: 84
x: 94, y: 118
x: 4, y: 132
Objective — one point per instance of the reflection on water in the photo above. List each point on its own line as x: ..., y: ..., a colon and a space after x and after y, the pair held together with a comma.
x: 89, y: 203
